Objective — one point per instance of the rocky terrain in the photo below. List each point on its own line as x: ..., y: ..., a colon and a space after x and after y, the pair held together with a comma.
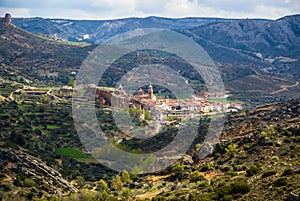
x: 22, y: 163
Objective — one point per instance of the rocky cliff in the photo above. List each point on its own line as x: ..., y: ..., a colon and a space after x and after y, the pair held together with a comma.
x: 17, y: 161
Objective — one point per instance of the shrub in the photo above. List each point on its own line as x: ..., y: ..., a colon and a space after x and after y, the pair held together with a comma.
x: 274, y: 159
x: 253, y: 170
x: 268, y: 173
x: 281, y: 182
x: 196, y: 176
x: 206, y: 167
x: 102, y: 186
x: 105, y: 195
x: 227, y: 198
x: 28, y: 182
x: 297, y: 139
x: 126, y: 192
x: 125, y: 177
x: 236, y: 189
x: 116, y: 183
x: 231, y: 149
x: 288, y: 172
x: 240, y: 187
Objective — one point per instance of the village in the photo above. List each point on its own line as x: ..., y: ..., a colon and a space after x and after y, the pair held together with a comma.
x: 169, y: 112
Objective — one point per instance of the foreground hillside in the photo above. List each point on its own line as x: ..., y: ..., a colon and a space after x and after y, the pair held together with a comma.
x: 258, y: 157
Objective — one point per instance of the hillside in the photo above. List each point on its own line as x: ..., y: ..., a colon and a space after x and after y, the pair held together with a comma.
x: 42, y: 157
x: 28, y: 56
x: 257, y: 58
x: 269, y: 47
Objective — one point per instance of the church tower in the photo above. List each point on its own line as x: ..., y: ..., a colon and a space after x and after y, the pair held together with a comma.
x: 150, y: 91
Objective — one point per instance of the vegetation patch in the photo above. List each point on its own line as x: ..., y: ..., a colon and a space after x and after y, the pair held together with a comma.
x: 71, y: 152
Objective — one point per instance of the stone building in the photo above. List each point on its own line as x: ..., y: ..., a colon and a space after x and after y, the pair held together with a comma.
x: 142, y: 97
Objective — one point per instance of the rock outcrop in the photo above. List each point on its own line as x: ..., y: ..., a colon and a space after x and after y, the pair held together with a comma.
x: 6, y: 19
x: 35, y: 168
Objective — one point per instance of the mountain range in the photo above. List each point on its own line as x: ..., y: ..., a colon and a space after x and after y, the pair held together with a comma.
x: 258, y: 58
x: 97, y: 31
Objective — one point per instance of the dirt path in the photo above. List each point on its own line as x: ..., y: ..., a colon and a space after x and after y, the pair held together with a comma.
x: 285, y: 88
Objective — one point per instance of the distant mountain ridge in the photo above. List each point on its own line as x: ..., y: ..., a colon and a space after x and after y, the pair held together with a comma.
x: 282, y: 35
x: 257, y: 58
x: 96, y: 31
x: 262, y: 42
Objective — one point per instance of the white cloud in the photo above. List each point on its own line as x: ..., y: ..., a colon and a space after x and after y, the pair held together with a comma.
x: 15, y: 12
x: 110, y: 9
x: 150, y: 7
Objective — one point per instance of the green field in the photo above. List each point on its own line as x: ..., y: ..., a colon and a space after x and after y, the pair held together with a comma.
x: 53, y: 127
x: 222, y: 101
x: 71, y: 152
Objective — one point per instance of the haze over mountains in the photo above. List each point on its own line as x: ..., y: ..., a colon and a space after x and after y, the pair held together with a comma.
x: 257, y: 57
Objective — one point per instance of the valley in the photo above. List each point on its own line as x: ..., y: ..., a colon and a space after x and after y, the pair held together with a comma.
x: 256, y: 156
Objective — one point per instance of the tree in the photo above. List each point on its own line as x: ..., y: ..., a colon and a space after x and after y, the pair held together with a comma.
x: 80, y: 181
x: 231, y: 149
x: 116, y: 183
x: 17, y: 138
x: 125, y: 177
x: 102, y: 185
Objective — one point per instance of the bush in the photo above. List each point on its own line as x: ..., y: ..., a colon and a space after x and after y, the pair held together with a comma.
x: 196, y: 176
x: 116, y: 183
x: 227, y: 198
x: 28, y: 182
x: 233, y: 189
x: 102, y: 186
x: 268, y: 173
x: 288, y: 172
x: 297, y: 139
x: 240, y: 187
x: 125, y: 178
x: 274, y: 159
x: 253, y: 170
x: 281, y: 182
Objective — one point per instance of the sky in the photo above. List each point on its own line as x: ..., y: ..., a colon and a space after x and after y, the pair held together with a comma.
x: 113, y: 9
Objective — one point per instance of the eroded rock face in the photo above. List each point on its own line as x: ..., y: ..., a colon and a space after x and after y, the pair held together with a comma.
x: 36, y: 169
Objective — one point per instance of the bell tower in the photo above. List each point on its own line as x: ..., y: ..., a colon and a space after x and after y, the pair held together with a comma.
x: 150, y: 91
